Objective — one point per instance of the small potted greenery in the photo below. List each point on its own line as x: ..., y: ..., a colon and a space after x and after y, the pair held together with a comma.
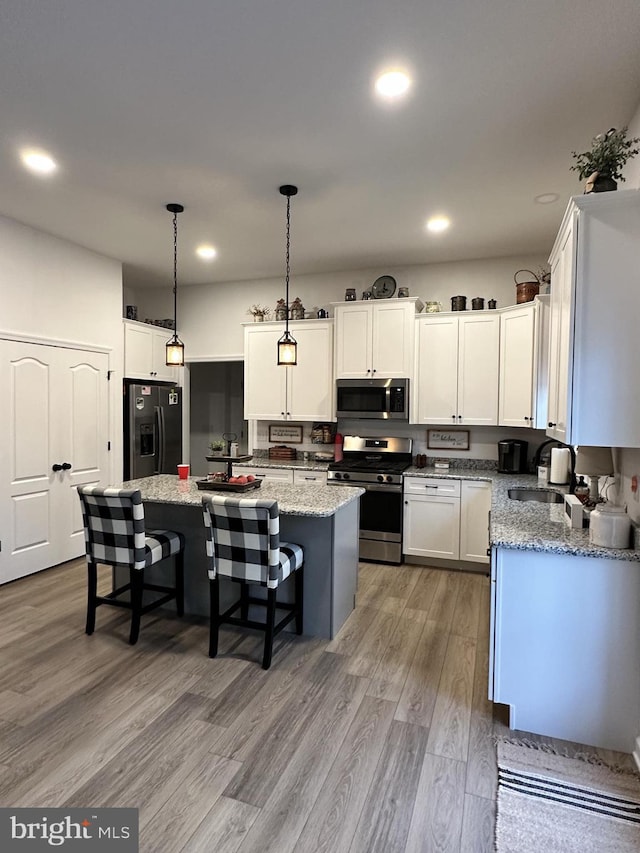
x: 259, y: 312
x: 217, y: 447
x: 602, y: 165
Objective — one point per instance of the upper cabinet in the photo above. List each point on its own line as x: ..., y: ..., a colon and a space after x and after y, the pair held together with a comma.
x: 374, y: 339
x: 456, y: 369
x: 523, y: 364
x: 594, y: 343
x: 304, y: 392
x: 144, y: 353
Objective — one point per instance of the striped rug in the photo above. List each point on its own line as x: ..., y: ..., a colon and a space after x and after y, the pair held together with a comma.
x: 552, y: 804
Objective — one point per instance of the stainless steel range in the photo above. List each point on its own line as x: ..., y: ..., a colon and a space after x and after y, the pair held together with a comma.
x: 376, y: 465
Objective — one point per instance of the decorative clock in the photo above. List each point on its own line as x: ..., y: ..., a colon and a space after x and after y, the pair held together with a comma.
x: 383, y: 287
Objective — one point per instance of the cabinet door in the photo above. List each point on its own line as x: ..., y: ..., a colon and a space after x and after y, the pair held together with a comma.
x: 310, y: 391
x: 353, y: 331
x: 432, y: 527
x: 264, y: 380
x: 475, y: 506
x: 278, y: 475
x: 478, y: 369
x: 138, y: 351
x: 162, y: 372
x: 517, y: 367
x: 393, y: 335
x: 306, y: 477
x: 561, y: 337
x: 435, y: 387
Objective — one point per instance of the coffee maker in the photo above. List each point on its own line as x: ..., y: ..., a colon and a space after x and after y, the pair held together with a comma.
x: 512, y: 456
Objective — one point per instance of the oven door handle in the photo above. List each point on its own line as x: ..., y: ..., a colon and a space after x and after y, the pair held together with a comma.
x: 381, y: 487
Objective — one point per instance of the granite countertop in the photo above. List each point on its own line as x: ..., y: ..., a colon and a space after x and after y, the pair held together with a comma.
x: 527, y: 525
x: 316, y: 500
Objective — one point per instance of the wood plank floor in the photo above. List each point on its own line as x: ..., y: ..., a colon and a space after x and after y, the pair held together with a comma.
x: 381, y: 740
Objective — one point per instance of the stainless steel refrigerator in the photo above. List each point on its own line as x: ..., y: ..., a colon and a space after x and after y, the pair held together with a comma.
x: 152, y: 429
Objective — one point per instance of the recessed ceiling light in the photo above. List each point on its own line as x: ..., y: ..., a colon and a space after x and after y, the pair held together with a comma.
x: 38, y: 161
x: 393, y: 84
x: 207, y: 253
x: 437, y: 224
x: 546, y: 198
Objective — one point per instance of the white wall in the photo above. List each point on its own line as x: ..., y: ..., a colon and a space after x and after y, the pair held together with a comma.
x: 55, y: 290
x: 210, y: 316
x: 632, y: 169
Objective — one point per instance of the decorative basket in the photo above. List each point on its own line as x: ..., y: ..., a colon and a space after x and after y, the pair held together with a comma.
x: 526, y: 291
x: 281, y: 451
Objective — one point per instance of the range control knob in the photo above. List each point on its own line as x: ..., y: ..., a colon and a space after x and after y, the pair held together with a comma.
x: 380, y: 478
x: 345, y: 476
x: 338, y: 475
x: 389, y: 478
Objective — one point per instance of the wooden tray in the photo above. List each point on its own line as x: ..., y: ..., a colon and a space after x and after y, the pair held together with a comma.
x: 221, y: 486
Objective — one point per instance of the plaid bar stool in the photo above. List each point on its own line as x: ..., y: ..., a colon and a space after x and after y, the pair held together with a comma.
x: 243, y: 544
x: 115, y: 536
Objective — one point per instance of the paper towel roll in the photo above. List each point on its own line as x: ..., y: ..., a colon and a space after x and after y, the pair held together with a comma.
x: 560, y: 457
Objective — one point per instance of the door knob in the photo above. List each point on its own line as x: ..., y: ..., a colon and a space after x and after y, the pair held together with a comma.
x: 66, y: 466
x: 56, y: 467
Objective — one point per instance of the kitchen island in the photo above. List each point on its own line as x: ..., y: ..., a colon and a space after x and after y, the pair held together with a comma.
x: 322, y: 519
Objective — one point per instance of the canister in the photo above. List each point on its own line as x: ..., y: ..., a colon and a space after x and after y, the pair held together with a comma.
x: 610, y: 527
x: 477, y: 303
x: 458, y: 303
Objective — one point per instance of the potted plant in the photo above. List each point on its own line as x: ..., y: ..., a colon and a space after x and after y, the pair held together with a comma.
x: 602, y: 165
x: 259, y: 312
x: 217, y: 447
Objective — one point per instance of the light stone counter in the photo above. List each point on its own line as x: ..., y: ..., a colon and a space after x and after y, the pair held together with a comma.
x: 527, y: 525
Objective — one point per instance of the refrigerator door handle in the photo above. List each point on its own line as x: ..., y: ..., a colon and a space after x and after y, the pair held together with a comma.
x: 159, y: 412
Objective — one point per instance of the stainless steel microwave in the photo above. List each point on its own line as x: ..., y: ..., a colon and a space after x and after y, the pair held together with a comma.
x: 382, y: 399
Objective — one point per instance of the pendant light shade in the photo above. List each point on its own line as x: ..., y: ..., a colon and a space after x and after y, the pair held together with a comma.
x: 287, y: 345
x: 174, y: 347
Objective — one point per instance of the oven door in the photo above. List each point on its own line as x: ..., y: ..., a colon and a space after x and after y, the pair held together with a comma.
x: 381, y: 523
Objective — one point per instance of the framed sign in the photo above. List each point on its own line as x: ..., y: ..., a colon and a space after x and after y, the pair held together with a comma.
x: 285, y: 432
x: 448, y: 439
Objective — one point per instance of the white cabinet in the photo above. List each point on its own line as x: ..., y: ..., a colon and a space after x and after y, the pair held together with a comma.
x: 375, y: 339
x: 304, y: 392
x: 518, y: 362
x: 475, y: 507
x: 456, y: 369
x: 594, y: 341
x: 278, y: 475
x: 305, y: 477
x: 446, y: 519
x: 564, y: 651
x: 144, y: 352
x: 431, y: 518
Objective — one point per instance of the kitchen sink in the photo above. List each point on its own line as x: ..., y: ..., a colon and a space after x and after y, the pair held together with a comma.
x: 541, y: 495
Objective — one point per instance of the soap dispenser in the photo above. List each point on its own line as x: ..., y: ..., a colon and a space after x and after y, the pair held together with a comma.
x: 582, y: 490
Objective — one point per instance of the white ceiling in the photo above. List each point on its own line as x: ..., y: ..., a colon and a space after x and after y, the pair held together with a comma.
x: 215, y: 103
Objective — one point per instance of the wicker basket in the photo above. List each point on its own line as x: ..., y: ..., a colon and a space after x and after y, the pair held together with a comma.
x: 281, y: 451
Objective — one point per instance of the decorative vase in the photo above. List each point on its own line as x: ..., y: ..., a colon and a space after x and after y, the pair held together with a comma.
x: 597, y: 183
x: 258, y: 318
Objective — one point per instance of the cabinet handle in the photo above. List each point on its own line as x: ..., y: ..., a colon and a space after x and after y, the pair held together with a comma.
x: 552, y: 424
x: 56, y: 467
x: 368, y: 370
x: 459, y: 417
x: 282, y: 413
x: 374, y: 370
x: 526, y: 418
x: 454, y: 417
x: 406, y: 503
x: 66, y: 466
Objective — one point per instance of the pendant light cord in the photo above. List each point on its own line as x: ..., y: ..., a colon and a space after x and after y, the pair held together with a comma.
x: 288, y: 267
x: 175, y: 273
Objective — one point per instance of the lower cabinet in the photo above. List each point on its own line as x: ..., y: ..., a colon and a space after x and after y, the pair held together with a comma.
x: 446, y: 519
x: 279, y: 475
x: 305, y: 477
x: 564, y: 651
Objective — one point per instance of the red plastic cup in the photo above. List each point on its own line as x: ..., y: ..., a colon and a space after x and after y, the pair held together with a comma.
x: 183, y: 472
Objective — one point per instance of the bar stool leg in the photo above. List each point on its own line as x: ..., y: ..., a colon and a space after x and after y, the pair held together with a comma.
x: 299, y: 593
x: 91, y: 597
x: 180, y: 583
x: 214, y: 618
x: 244, y: 601
x: 269, y: 628
x: 137, y: 583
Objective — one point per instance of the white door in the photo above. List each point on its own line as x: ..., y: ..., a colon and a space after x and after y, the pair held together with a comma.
x: 561, y: 336
x: 432, y: 527
x: 517, y: 367
x: 265, y: 381
x: 475, y: 505
x: 310, y: 383
x: 435, y: 390
x: 478, y: 369
x: 353, y: 333
x: 57, y: 415
x: 393, y: 334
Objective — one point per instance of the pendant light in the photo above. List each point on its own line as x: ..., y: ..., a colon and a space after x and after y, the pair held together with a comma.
x: 175, y: 347
x: 287, y: 345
